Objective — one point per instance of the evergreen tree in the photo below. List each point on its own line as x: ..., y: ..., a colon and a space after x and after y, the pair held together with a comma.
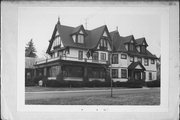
x: 30, y: 50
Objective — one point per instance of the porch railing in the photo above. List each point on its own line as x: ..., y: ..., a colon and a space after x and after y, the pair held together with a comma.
x: 72, y: 59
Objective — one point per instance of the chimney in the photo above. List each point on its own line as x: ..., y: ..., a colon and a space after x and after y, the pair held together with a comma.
x: 59, y: 20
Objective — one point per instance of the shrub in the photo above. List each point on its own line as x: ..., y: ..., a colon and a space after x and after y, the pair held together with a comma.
x: 55, y: 83
x: 37, y: 79
x: 155, y: 83
x: 29, y: 83
x: 129, y: 84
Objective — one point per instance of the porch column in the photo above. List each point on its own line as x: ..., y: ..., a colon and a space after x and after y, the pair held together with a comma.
x: 132, y: 75
x: 35, y: 72
x: 60, y: 74
x: 45, y: 71
x: 85, y: 76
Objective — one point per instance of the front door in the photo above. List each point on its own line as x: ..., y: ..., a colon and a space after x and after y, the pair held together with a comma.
x: 137, y: 75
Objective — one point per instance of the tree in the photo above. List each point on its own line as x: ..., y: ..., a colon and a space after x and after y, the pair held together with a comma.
x: 30, y: 50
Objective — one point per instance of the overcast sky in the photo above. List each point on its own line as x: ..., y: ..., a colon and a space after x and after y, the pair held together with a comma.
x: 38, y: 23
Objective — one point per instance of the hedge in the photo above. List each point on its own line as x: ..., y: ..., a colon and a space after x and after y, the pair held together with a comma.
x: 155, y: 83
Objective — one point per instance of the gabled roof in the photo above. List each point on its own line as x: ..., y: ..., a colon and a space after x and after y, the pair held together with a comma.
x: 119, y: 45
x: 91, y: 39
x: 133, y: 65
x: 140, y: 41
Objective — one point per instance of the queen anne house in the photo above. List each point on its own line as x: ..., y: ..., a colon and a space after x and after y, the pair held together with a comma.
x: 77, y: 54
x: 84, y: 55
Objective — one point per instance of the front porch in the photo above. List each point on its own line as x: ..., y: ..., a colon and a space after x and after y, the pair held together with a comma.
x: 136, y: 72
x: 72, y: 71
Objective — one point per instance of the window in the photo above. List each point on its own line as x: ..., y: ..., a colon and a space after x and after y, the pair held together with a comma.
x: 95, y: 56
x: 114, y: 58
x: 80, y: 55
x: 146, y: 62
x: 103, y: 44
x: 139, y: 59
x: 131, y: 59
x: 152, y: 61
x: 123, y: 56
x: 123, y: 73
x: 143, y: 49
x: 103, y: 56
x: 150, y: 76
x: 114, y: 73
x: 56, y: 42
x: 131, y: 47
x: 80, y: 39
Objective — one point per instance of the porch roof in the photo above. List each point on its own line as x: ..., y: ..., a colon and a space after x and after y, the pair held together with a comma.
x: 133, y: 66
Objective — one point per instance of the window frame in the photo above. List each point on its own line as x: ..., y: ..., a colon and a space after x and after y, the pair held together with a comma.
x: 146, y: 64
x: 152, y: 61
x: 132, y: 58
x: 122, y: 74
x: 116, y: 71
x: 143, y: 50
x: 80, y: 55
x: 94, y: 57
x: 114, y: 60
x: 150, y: 75
x: 124, y: 57
x: 139, y: 59
x: 103, y: 56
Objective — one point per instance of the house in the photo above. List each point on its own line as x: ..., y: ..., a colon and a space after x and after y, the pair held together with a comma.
x: 78, y: 54
x: 131, y: 60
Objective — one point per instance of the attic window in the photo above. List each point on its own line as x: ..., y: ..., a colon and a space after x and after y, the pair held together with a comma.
x: 56, y: 42
x: 131, y: 47
x: 78, y: 38
x: 143, y: 49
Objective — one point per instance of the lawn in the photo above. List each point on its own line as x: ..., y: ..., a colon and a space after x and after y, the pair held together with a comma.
x: 150, y: 98
x: 38, y: 89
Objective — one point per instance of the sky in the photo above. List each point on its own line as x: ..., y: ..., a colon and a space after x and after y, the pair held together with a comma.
x: 38, y: 23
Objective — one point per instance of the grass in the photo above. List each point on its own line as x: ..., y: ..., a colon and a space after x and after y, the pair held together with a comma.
x: 37, y: 88
x: 151, y: 98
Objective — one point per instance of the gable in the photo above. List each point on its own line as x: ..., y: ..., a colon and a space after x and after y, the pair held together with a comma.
x: 57, y: 33
x: 138, y: 67
x: 81, y: 32
x: 105, y: 34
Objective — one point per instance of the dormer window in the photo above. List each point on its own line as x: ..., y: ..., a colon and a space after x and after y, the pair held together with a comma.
x: 131, y: 47
x: 78, y: 37
x: 103, y: 44
x: 143, y: 49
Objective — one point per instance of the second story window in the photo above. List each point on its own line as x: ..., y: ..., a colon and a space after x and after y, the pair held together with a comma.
x: 103, y: 56
x: 114, y: 58
x: 152, y: 61
x: 123, y: 56
x: 139, y: 59
x: 80, y: 55
x: 95, y: 56
x: 131, y: 59
x: 146, y: 62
